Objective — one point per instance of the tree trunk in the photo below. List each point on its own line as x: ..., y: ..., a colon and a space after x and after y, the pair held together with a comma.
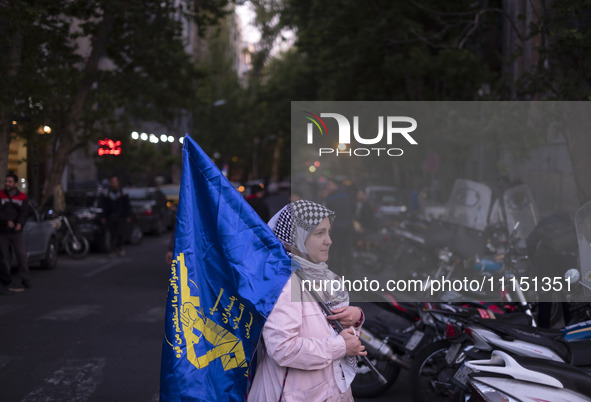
x: 59, y: 161
x: 5, y: 119
x: 68, y: 138
x: 4, y: 141
x: 579, y: 147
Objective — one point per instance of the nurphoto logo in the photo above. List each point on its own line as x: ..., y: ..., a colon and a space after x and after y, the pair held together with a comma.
x: 390, y: 127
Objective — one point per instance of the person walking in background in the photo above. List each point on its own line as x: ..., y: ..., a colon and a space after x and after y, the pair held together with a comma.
x: 343, y: 230
x: 170, y: 249
x: 364, y: 215
x: 14, y: 208
x: 117, y: 214
x: 258, y: 203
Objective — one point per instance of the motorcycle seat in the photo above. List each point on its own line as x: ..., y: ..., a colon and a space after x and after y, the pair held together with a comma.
x: 513, y: 329
x: 571, y: 377
x: 523, y: 332
x: 514, y: 318
x: 547, y: 337
x: 580, y: 352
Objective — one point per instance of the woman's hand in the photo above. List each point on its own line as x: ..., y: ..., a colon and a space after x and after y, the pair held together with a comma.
x: 352, y: 342
x: 347, y: 316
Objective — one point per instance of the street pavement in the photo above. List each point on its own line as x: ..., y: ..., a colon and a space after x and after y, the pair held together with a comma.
x: 91, y: 330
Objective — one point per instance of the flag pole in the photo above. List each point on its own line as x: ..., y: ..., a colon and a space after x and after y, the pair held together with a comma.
x: 340, y: 327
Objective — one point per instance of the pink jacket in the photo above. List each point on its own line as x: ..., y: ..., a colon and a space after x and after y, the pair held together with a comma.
x: 297, y: 335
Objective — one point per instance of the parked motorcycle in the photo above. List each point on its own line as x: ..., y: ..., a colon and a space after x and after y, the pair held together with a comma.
x: 563, y: 372
x: 396, y: 334
x: 74, y: 244
x: 570, y: 347
x: 441, y: 373
x: 392, y: 336
x: 386, y: 332
x: 432, y: 370
x: 470, y: 238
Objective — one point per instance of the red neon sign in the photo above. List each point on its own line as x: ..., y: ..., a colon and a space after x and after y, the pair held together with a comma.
x: 109, y: 147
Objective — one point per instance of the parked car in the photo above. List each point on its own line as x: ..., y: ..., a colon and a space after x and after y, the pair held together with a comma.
x: 171, y: 192
x: 386, y: 201
x: 150, y: 206
x: 85, y: 211
x: 251, y: 186
x: 40, y: 241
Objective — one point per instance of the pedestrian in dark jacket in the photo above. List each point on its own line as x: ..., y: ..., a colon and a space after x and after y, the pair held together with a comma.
x: 13, y: 215
x: 258, y: 203
x: 343, y: 204
x: 117, y: 214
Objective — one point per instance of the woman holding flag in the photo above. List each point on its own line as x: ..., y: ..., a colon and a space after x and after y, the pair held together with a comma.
x: 301, y: 356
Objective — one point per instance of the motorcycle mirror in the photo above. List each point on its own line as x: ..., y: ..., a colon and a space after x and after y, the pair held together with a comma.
x: 572, y: 275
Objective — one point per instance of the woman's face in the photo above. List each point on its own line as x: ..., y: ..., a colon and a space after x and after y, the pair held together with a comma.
x: 318, y: 243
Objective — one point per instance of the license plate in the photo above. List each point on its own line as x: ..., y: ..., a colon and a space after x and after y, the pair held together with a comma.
x: 414, y: 340
x: 462, y: 374
x: 452, y: 353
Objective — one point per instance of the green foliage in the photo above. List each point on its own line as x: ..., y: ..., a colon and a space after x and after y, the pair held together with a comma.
x: 218, y: 125
x: 389, y: 50
x: 563, y: 71
x: 430, y: 50
x: 377, y: 51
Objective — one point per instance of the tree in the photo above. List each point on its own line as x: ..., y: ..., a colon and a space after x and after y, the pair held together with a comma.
x: 563, y: 72
x: 380, y: 51
x: 22, y: 23
x: 433, y: 50
x: 219, y: 112
x: 136, y: 67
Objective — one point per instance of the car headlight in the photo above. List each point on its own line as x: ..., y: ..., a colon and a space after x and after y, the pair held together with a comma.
x: 84, y: 214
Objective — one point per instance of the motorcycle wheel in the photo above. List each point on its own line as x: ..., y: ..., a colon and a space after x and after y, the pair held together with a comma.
x: 76, y: 246
x: 430, y: 375
x: 366, y: 384
x: 159, y: 227
x: 49, y: 261
x: 105, y: 242
x: 136, y: 235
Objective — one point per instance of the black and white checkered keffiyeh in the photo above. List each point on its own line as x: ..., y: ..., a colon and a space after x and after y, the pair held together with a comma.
x: 301, y: 214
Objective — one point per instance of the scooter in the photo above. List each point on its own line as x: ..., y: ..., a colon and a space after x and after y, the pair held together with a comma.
x: 432, y: 370
x: 389, y: 337
x: 477, y: 339
x: 441, y: 373
x: 549, y: 344
x: 392, y: 340
x: 401, y: 333
x: 507, y: 378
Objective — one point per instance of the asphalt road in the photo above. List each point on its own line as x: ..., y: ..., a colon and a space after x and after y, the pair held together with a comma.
x: 91, y: 330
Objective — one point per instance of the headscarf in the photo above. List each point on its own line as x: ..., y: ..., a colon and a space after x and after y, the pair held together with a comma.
x: 292, y: 225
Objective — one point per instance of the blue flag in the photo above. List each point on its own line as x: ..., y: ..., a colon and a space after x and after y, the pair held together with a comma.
x: 228, y: 271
